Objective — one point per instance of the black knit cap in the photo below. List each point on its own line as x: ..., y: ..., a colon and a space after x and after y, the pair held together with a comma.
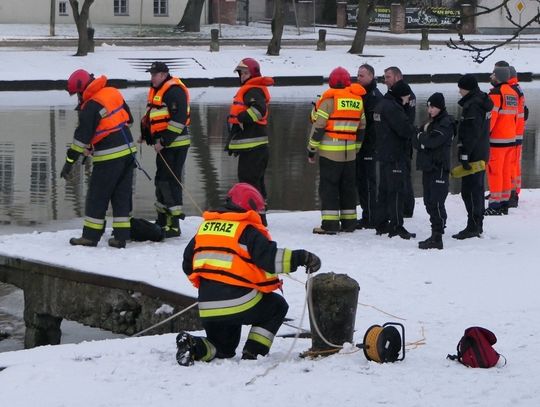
x: 400, y: 89
x: 468, y: 82
x: 437, y: 100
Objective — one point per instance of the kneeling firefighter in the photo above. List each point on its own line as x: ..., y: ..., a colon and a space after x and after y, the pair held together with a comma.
x: 235, y: 265
x: 103, y: 133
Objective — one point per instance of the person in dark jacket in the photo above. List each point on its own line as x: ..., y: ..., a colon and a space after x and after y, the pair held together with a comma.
x: 394, y: 136
x: 103, y: 133
x: 473, y: 147
x: 165, y: 127
x: 236, y: 266
x: 366, y: 180
x: 433, y: 144
x: 393, y: 75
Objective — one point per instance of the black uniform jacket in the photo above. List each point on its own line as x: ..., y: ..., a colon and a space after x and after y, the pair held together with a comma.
x: 473, y: 128
x: 394, y: 130
x: 372, y: 97
x: 435, y: 143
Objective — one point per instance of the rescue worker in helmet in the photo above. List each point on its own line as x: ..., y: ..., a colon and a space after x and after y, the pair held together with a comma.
x: 165, y: 127
x: 337, y: 133
x: 234, y: 263
x: 247, y: 122
x: 103, y: 133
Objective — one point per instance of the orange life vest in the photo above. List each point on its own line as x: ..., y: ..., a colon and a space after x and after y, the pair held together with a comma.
x: 219, y: 256
x: 238, y: 106
x: 113, y: 114
x: 344, y: 120
x: 157, y: 112
x: 503, y: 115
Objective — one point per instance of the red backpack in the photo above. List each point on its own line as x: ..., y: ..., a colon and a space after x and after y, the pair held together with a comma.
x: 475, y: 348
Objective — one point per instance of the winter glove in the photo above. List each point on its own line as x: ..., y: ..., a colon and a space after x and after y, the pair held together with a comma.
x: 312, y: 263
x: 66, y: 170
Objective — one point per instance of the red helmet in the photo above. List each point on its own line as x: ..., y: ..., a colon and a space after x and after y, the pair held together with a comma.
x: 246, y: 196
x: 78, y: 81
x: 250, y: 65
x: 339, y: 78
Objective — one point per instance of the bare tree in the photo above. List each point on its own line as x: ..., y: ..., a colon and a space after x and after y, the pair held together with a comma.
x: 481, y: 53
x: 81, y: 21
x: 191, y: 19
x: 277, y: 29
x: 365, y: 8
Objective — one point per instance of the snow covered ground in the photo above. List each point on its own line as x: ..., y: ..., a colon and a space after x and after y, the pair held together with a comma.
x: 490, y: 282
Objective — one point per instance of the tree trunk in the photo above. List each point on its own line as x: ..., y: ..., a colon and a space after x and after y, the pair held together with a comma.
x: 52, y: 18
x: 191, y: 19
x: 277, y: 29
x: 365, y: 8
x: 81, y: 21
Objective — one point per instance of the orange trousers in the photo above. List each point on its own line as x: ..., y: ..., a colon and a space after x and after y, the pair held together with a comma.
x: 499, y: 174
x: 516, y: 169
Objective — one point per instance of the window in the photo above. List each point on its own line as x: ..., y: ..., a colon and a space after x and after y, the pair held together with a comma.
x: 161, y: 8
x: 62, y: 8
x: 121, y: 7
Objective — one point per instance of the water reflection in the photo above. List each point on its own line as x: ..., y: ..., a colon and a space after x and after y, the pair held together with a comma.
x: 33, y: 141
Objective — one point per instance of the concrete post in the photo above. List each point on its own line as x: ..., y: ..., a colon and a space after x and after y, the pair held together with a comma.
x: 424, y: 42
x: 42, y: 329
x: 341, y: 14
x: 214, y: 40
x: 321, y: 43
x: 397, y: 18
x: 468, y: 21
x: 333, y: 302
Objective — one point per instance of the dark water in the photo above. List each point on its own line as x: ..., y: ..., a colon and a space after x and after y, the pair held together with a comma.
x: 33, y: 141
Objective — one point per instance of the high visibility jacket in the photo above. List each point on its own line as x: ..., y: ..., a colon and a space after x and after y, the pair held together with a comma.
x: 343, y: 121
x: 113, y: 114
x: 238, y: 106
x: 159, y: 117
x: 503, y: 116
x: 219, y: 256
x: 520, y: 120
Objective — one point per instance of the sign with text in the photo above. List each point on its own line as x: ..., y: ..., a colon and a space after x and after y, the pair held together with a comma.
x: 415, y: 17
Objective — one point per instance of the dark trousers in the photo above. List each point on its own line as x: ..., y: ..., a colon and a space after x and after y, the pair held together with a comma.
x: 408, y: 196
x: 111, y: 181
x: 472, y: 193
x: 252, y: 166
x: 390, y: 194
x: 224, y: 332
x: 366, y: 185
x: 337, y: 192
x: 168, y: 189
x: 435, y: 188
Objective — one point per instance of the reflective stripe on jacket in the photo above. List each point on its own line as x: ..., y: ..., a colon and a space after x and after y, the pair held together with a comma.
x: 113, y: 115
x: 159, y: 117
x: 503, y: 115
x: 238, y: 106
x: 219, y: 256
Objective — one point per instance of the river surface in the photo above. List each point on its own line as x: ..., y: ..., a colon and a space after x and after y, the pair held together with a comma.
x: 37, y: 127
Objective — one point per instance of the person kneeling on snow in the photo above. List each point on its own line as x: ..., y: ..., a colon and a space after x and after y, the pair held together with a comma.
x: 235, y: 265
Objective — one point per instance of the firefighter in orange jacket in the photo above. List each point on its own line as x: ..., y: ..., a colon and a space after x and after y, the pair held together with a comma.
x: 103, y: 133
x: 337, y: 133
x: 247, y: 124
x: 502, y: 139
x: 522, y: 116
x: 236, y: 266
x: 165, y: 126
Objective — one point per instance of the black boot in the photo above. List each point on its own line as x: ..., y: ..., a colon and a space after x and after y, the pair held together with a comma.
x: 82, y: 241
x: 467, y: 233
x: 117, y: 243
x: 185, y: 349
x: 161, y: 219
x: 432, y: 242
x: 401, y: 232
x: 514, y: 199
x: 172, y: 229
